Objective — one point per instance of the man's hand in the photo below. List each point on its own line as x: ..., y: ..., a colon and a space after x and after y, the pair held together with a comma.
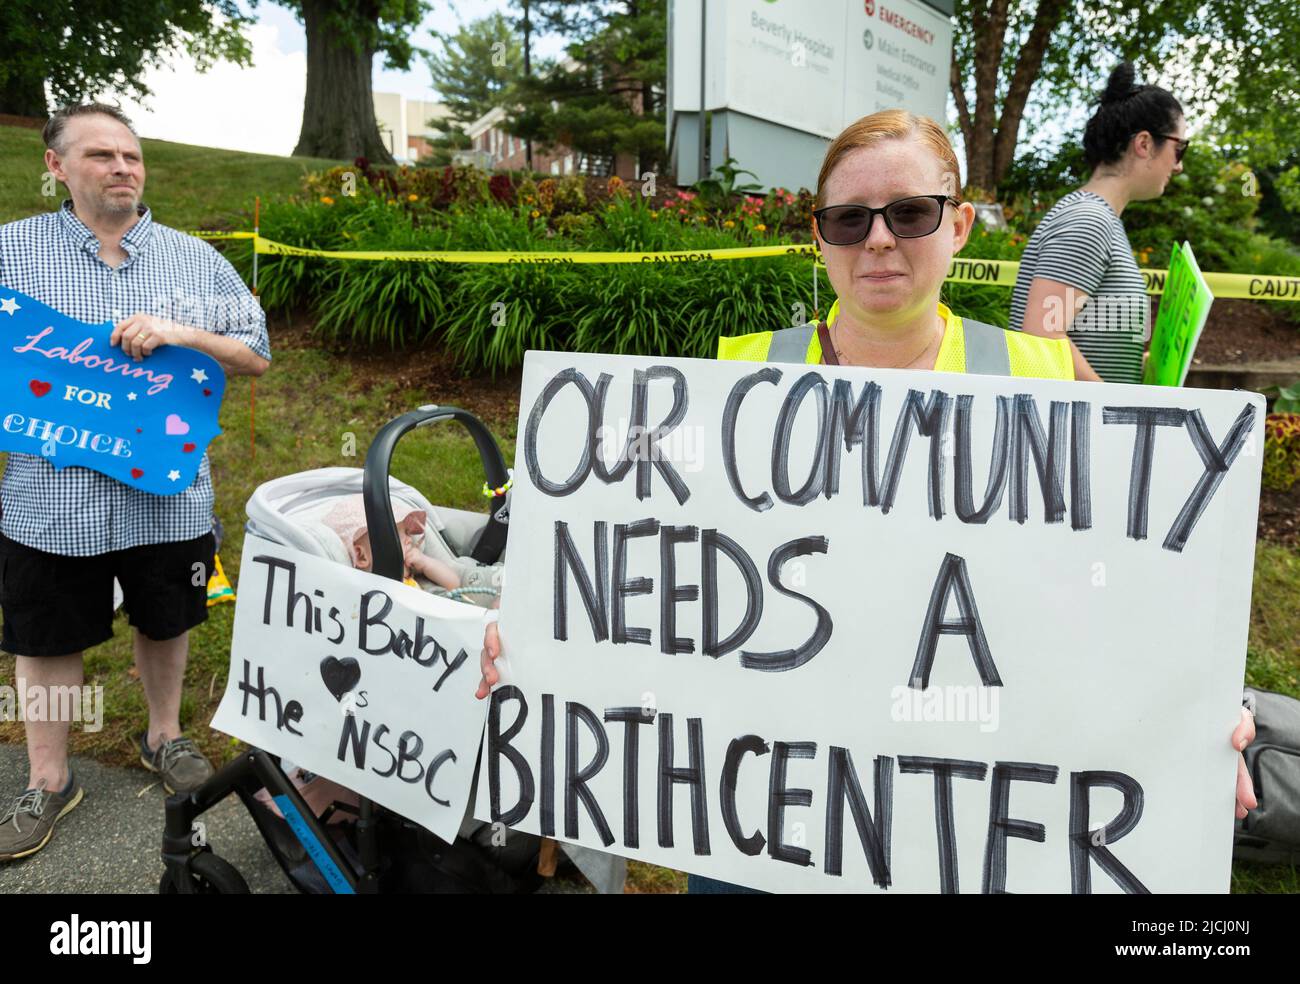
x: 491, y: 651
x: 1241, y: 737
x: 140, y: 334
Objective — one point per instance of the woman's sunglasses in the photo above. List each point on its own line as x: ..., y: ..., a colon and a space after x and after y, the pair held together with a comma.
x: 1180, y: 146
x: 907, y: 218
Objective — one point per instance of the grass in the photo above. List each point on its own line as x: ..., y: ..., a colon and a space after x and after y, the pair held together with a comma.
x: 188, y: 187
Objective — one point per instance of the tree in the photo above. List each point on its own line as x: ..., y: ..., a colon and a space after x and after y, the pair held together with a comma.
x: 1062, y: 50
x: 608, y: 98
x: 80, y: 48
x: 477, y: 67
x: 343, y: 37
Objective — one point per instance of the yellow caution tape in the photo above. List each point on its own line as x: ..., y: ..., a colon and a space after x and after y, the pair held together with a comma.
x: 964, y: 270
x: 201, y: 234
x: 270, y: 247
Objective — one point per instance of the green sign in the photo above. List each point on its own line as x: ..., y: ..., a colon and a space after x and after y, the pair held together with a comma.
x: 1184, y: 306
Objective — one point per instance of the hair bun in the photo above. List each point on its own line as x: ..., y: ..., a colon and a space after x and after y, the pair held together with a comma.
x: 1120, y: 85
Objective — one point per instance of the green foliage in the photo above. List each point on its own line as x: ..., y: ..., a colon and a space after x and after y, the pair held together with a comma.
x: 1281, y: 450
x: 985, y: 302
x: 1231, y: 65
x: 1288, y: 399
x: 82, y: 48
x: 722, y: 191
x: 1204, y: 205
x: 609, y: 98
x: 477, y: 67
x: 383, y: 26
x: 1037, y: 180
x: 1272, y: 257
x: 489, y: 315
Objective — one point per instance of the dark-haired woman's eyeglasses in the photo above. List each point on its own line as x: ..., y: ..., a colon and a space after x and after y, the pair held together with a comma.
x: 1180, y: 146
x: 907, y: 218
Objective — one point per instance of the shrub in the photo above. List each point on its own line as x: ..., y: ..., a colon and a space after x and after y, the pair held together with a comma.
x: 1281, y: 451
x: 985, y: 302
x: 1272, y: 257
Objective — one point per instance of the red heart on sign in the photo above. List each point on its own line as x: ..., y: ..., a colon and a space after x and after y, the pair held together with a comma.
x: 39, y: 387
x: 136, y: 473
x: 187, y: 447
x: 207, y: 392
x: 139, y: 430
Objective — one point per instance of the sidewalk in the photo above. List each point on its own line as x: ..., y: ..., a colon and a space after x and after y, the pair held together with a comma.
x: 111, y: 842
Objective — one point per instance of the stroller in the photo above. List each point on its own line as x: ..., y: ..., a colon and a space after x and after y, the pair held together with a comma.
x: 353, y: 845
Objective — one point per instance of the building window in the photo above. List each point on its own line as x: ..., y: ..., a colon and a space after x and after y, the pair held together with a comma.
x: 568, y: 164
x: 555, y: 167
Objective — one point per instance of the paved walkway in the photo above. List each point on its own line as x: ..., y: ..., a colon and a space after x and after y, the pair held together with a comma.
x: 112, y: 841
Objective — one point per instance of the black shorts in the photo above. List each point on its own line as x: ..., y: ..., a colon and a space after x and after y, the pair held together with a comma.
x: 55, y: 605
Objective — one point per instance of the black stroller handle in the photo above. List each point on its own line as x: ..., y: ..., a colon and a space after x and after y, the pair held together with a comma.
x: 384, y: 541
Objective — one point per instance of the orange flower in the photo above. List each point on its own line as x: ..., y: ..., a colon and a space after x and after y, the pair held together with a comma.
x: 326, y: 200
x: 412, y: 198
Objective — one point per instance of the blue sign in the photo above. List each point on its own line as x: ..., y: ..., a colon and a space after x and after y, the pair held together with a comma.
x: 69, y: 396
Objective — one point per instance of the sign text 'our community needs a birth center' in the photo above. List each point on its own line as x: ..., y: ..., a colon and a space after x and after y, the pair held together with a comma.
x: 834, y: 629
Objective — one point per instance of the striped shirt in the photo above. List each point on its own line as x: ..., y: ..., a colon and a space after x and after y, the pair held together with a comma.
x: 54, y: 258
x: 1081, y: 242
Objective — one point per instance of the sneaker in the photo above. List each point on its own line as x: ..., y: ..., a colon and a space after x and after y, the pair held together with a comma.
x: 28, y: 824
x: 179, y: 761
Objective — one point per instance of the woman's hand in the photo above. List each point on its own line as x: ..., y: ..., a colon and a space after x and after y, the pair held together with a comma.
x: 491, y: 651
x: 1241, y: 737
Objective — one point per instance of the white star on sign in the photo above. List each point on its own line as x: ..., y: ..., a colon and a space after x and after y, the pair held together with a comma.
x: 173, y: 474
x: 199, y: 376
x: 9, y: 305
x: 130, y: 396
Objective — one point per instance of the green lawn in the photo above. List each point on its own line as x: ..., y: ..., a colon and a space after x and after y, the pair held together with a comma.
x: 187, y: 187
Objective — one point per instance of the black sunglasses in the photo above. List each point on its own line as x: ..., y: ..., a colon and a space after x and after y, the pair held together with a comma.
x: 907, y: 218
x: 1180, y: 147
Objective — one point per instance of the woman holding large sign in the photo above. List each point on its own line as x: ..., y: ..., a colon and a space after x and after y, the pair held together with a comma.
x: 889, y: 220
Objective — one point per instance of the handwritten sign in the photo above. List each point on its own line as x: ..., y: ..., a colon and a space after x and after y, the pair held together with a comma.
x: 72, y: 398
x: 1184, y: 308
x: 814, y: 628
x: 358, y: 678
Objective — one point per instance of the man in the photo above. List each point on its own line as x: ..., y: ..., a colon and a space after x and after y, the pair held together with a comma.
x: 65, y: 535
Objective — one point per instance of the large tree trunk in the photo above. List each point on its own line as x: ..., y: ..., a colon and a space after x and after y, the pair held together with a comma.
x: 338, y: 114
x: 990, y: 149
x: 24, y: 96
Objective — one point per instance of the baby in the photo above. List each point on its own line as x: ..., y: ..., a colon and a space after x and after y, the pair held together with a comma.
x: 348, y: 520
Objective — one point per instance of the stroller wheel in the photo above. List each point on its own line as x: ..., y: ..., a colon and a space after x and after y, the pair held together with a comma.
x: 209, y: 875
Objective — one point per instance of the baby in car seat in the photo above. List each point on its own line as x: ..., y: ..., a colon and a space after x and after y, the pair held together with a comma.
x: 348, y: 520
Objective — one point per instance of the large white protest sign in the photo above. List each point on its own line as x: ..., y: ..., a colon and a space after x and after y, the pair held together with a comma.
x: 360, y: 679
x: 834, y: 629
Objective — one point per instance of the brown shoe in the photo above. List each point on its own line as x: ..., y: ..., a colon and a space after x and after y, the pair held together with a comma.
x: 28, y: 824
x: 179, y: 761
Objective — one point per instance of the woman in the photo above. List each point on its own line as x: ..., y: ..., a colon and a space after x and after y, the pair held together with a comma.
x: 1078, y: 273
x: 888, y: 222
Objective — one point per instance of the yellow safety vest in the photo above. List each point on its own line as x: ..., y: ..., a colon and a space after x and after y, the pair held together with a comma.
x: 967, y: 346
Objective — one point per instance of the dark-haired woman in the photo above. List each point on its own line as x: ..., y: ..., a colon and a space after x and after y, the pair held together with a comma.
x: 1078, y: 273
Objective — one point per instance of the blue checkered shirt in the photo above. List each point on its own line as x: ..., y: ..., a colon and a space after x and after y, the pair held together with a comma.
x: 54, y: 258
